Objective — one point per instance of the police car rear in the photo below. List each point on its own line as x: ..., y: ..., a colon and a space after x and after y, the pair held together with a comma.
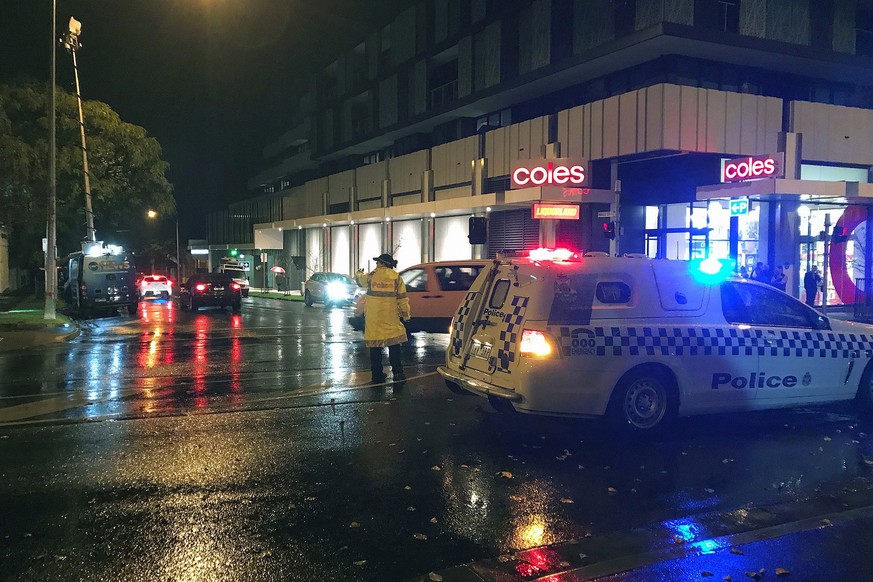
x: 642, y: 341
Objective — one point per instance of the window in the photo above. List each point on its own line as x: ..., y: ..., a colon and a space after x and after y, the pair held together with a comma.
x: 498, y: 296
x: 743, y: 303
x: 415, y: 280
x: 457, y: 278
x: 729, y: 15
x: 864, y: 32
x: 613, y: 292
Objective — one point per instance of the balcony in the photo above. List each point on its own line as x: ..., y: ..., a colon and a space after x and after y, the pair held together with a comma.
x: 444, y: 94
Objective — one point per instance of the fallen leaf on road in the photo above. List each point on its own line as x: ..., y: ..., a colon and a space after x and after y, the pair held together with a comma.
x: 706, y: 574
x: 354, y: 524
x: 754, y: 575
x: 678, y: 540
x: 436, y: 468
x: 435, y: 577
x: 309, y: 499
x: 827, y: 439
x: 503, y: 558
x: 433, y: 520
x: 465, y: 466
x: 736, y: 551
x: 710, y: 491
x: 360, y: 562
x: 566, y: 500
x: 728, y: 578
x: 410, y: 508
x: 825, y: 523
x: 407, y: 487
x: 612, y: 490
x: 505, y: 474
x: 782, y: 572
x: 420, y: 536
x: 265, y: 554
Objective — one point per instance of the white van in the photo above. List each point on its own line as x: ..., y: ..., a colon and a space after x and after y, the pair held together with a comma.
x: 643, y: 340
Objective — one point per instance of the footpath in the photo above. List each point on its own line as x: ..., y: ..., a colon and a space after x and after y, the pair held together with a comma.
x: 23, y: 326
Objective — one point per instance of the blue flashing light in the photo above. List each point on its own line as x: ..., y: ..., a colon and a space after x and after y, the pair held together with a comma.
x: 711, y: 271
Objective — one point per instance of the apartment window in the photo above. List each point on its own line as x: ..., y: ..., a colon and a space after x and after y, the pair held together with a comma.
x: 864, y: 32
x: 729, y: 15
x: 625, y: 17
x: 444, y: 84
x: 492, y: 120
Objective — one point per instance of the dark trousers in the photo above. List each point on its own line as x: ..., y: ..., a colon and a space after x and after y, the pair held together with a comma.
x: 810, y: 296
x: 395, y: 358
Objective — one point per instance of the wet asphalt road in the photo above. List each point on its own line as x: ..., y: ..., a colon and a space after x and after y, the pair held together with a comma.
x: 213, y: 446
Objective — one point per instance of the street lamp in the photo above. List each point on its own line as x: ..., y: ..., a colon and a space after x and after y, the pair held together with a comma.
x: 153, y: 214
x: 70, y: 41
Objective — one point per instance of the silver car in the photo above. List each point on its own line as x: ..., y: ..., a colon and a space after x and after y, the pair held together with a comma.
x: 331, y: 289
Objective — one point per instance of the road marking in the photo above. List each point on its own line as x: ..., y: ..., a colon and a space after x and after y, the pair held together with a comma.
x: 41, y: 407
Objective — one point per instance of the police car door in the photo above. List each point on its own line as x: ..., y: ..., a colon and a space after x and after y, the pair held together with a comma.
x: 792, y: 362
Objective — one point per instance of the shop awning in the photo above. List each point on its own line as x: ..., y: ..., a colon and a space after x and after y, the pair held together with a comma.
x: 780, y: 188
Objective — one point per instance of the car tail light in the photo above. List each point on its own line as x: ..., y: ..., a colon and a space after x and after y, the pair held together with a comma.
x: 200, y: 287
x: 537, y: 344
x: 170, y: 282
x: 235, y: 286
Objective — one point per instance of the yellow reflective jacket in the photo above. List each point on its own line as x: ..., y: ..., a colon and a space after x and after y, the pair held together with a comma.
x: 385, y: 306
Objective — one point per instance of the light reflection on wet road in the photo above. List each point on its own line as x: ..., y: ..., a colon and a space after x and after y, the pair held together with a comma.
x: 165, y: 361
x: 311, y: 477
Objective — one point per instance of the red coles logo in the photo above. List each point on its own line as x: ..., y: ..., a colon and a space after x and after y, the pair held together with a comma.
x: 751, y: 168
x: 558, y: 172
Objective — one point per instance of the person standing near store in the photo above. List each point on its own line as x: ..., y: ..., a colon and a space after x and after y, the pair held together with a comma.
x: 811, y: 283
x: 385, y: 310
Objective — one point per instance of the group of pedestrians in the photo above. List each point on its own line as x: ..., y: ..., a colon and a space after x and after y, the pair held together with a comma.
x: 778, y: 278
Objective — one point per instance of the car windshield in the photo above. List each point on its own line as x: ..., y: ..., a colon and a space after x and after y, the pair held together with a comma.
x: 213, y: 278
x: 338, y: 278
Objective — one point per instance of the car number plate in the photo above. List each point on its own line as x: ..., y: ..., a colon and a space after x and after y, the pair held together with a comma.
x: 218, y: 288
x: 480, y: 350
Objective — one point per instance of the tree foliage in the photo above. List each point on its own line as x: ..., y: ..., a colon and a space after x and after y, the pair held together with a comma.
x: 127, y: 174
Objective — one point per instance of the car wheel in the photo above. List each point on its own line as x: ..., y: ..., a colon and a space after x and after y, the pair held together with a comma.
x: 307, y: 299
x: 864, y: 397
x: 644, y: 401
x: 457, y: 389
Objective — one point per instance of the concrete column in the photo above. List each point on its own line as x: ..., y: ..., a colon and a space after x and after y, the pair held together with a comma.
x: 427, y: 193
x: 353, y: 198
x: 548, y: 233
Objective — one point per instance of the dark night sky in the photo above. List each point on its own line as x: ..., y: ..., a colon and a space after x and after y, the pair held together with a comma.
x: 213, y: 80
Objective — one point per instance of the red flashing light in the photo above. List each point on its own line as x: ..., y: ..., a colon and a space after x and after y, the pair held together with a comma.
x: 543, y: 254
x: 200, y: 287
x: 536, y: 344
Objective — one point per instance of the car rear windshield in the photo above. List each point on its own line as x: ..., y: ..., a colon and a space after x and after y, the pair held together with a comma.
x: 157, y: 279
x: 213, y: 278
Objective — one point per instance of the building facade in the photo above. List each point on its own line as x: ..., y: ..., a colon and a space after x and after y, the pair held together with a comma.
x: 423, y: 124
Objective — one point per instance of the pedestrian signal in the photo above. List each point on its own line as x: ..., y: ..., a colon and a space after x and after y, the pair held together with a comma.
x: 609, y: 229
x: 839, y: 235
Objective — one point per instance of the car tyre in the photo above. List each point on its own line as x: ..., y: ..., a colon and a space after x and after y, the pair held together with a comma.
x: 307, y: 299
x: 644, y: 401
x: 132, y: 308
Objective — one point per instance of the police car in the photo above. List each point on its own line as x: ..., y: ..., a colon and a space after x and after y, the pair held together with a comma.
x: 642, y: 341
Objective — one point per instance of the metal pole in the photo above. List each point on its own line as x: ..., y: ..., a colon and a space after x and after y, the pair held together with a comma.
x: 178, y: 255
x: 89, y: 213
x: 50, y: 258
x: 825, y: 267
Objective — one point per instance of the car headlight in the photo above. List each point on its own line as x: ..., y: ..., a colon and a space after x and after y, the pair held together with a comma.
x: 337, y: 291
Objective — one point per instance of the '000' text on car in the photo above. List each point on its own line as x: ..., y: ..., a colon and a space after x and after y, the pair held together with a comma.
x: 645, y: 340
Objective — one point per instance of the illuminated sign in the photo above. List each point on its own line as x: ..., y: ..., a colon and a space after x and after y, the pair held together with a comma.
x: 752, y: 168
x: 739, y: 207
x: 557, y: 172
x: 555, y: 211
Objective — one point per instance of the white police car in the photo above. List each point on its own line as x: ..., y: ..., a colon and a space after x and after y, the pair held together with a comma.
x: 644, y: 340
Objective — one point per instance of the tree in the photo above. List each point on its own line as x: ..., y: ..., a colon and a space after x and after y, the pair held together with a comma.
x: 128, y: 176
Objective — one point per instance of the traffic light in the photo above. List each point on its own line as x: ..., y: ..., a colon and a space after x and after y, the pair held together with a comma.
x: 839, y: 235
x: 609, y: 229
x: 234, y: 252
x: 477, y: 230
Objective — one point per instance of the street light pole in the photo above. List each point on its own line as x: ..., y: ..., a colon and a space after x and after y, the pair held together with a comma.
x: 51, y: 273
x: 178, y: 255
x: 71, y: 43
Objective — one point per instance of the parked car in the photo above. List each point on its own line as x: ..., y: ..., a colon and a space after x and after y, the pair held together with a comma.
x: 238, y: 271
x: 642, y: 341
x: 210, y: 290
x: 154, y: 286
x: 331, y: 289
x: 435, y: 290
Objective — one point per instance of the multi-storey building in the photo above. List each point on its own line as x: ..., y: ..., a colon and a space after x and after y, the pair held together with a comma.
x: 422, y: 124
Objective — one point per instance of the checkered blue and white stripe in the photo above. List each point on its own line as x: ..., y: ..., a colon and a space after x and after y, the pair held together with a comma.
x: 510, y: 333
x: 712, y: 341
x: 460, y: 321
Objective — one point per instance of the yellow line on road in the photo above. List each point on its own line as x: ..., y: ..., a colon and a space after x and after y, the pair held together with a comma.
x: 41, y: 407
